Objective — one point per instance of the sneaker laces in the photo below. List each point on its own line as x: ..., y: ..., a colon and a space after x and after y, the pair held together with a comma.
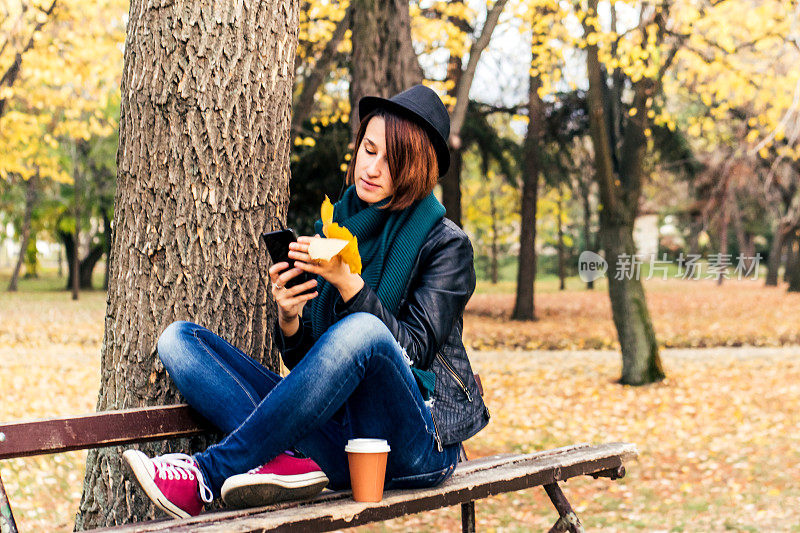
x: 182, y: 466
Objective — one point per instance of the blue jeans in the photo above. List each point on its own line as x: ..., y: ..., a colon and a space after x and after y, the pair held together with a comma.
x: 354, y: 382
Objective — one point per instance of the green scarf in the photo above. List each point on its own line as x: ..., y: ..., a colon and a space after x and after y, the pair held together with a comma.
x: 388, y: 242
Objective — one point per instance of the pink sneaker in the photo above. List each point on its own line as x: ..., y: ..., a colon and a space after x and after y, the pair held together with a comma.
x: 284, y: 478
x: 172, y: 481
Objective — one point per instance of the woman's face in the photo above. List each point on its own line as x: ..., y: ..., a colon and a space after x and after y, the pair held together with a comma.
x: 371, y: 173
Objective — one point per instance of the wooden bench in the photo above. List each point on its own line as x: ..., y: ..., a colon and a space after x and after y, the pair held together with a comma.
x: 472, y: 480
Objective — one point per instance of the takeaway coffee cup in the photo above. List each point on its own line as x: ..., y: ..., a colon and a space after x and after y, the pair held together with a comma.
x: 367, y: 460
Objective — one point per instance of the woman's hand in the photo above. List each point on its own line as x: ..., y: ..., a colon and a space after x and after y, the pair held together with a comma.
x: 336, y: 272
x: 290, y: 300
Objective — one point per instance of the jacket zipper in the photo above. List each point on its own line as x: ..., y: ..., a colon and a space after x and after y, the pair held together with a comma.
x: 436, y: 436
x: 455, y: 375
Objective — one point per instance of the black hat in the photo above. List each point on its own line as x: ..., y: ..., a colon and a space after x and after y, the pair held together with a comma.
x: 421, y: 105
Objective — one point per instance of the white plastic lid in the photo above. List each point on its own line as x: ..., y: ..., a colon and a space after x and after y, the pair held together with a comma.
x: 367, y: 446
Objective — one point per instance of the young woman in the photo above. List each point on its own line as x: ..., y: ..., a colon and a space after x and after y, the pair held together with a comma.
x: 376, y: 355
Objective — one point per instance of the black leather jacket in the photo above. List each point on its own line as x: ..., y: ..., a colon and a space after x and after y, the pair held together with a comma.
x: 428, y: 326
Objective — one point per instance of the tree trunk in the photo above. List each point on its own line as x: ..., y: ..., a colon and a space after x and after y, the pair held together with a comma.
x: 641, y: 363
x: 495, y: 231
x: 695, y: 227
x: 619, y: 196
x: 107, y: 236
x: 587, y: 223
x: 793, y: 269
x: 561, y: 272
x: 723, y: 239
x: 384, y: 62
x: 451, y: 187
x: 744, y: 239
x: 524, y: 307
x: 88, y: 264
x: 775, y: 252
x: 463, y: 78
x: 25, y: 234
x: 451, y: 182
x: 31, y: 258
x: 75, y: 265
x: 85, y: 266
x: 203, y: 163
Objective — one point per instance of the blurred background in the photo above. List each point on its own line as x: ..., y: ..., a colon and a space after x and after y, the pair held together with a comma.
x: 663, y: 136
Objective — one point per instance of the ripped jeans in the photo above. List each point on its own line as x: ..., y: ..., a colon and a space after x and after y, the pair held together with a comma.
x: 354, y: 382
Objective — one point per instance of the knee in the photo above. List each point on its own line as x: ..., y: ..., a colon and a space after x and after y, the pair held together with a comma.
x: 170, y: 342
x: 360, y: 330
x: 364, y: 327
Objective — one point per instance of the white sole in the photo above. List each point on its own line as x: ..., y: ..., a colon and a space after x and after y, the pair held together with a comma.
x: 257, y: 490
x: 137, y: 462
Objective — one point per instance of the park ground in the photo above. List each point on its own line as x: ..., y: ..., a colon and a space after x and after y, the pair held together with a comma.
x: 717, y: 439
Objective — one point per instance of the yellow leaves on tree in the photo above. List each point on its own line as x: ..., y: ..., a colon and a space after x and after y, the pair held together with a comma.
x: 445, y: 29
x: 68, y: 80
x: 332, y: 230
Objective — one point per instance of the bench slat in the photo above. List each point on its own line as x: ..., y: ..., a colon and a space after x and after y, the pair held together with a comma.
x: 471, y: 481
x: 99, y: 429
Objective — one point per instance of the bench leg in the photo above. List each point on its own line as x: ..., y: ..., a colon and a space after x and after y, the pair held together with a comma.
x: 468, y: 517
x: 7, y: 524
x: 568, y: 520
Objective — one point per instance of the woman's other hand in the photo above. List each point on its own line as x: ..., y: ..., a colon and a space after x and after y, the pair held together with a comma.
x: 290, y: 300
x: 336, y: 272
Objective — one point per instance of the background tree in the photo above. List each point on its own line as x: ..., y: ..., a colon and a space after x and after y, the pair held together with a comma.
x: 61, y: 90
x: 619, y: 169
x: 543, y: 23
x: 31, y: 192
x: 324, y: 28
x: 460, y: 82
x: 202, y: 167
x: 383, y: 61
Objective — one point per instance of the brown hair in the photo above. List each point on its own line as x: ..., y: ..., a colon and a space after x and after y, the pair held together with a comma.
x: 410, y: 155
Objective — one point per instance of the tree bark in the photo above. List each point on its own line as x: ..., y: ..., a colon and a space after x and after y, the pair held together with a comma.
x: 641, y: 363
x: 524, y: 306
x: 31, y: 194
x: 203, y: 163
x: 107, y: 236
x: 384, y: 62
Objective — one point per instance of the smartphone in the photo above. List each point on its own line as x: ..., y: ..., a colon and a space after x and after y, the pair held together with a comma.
x: 278, y: 247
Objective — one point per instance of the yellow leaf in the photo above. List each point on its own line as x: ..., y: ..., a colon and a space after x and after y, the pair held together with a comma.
x: 350, y: 253
x: 333, y: 230
x: 326, y: 214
